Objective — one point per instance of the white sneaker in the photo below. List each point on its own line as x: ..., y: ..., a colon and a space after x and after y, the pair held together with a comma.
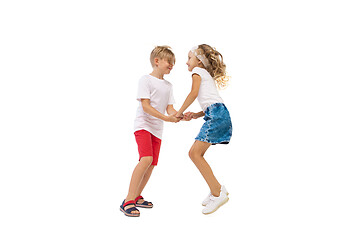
x: 207, y: 199
x: 215, y: 203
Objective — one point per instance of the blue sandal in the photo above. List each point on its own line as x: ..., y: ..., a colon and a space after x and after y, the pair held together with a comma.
x: 145, y: 204
x: 128, y: 211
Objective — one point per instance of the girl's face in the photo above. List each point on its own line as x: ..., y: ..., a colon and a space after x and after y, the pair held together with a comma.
x: 192, y: 61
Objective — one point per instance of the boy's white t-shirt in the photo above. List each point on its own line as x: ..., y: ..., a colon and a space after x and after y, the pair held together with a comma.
x: 160, y: 93
x: 208, y: 92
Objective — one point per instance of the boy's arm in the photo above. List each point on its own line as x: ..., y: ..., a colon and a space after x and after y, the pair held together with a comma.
x: 192, y: 95
x: 170, y: 110
x: 155, y: 113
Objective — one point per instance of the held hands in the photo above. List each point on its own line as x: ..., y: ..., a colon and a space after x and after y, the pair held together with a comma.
x: 173, y: 118
x: 176, y: 117
x: 179, y: 115
x: 190, y: 115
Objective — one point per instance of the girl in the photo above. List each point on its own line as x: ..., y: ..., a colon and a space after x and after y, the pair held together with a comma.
x: 208, y: 70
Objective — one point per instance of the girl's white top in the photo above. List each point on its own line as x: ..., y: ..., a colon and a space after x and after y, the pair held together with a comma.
x: 160, y: 93
x: 208, y: 92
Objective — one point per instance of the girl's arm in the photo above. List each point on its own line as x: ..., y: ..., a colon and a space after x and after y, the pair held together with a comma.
x: 190, y: 115
x: 196, y: 80
x: 155, y: 113
x: 199, y: 114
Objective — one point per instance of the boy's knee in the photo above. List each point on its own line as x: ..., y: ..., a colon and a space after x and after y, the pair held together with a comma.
x: 147, y: 160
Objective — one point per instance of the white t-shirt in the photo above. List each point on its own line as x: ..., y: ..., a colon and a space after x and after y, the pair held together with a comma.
x: 208, y: 92
x: 160, y: 93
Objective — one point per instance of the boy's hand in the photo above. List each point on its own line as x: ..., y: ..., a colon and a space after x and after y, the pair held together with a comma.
x: 173, y: 118
x: 179, y: 115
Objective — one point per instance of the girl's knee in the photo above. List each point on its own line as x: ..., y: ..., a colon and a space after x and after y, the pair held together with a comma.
x: 193, y: 153
x: 196, y: 152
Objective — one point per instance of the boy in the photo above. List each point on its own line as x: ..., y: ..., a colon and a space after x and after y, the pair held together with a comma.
x: 155, y: 95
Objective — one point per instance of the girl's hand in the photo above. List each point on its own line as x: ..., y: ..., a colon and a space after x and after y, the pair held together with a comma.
x: 188, y: 116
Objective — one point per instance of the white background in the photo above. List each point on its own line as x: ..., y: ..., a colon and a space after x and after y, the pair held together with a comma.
x: 69, y: 73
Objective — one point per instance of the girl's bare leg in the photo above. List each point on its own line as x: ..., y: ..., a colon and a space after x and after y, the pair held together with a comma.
x: 196, y: 154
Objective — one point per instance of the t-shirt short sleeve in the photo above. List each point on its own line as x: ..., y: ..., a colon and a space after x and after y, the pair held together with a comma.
x: 143, y: 89
x: 171, y: 97
x: 197, y: 70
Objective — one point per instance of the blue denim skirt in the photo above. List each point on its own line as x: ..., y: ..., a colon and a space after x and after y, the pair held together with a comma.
x: 217, y: 127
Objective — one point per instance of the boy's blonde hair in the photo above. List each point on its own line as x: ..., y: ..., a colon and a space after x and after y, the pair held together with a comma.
x: 162, y: 52
x: 217, y: 67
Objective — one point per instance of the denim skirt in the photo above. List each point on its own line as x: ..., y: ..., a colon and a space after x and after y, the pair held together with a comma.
x: 217, y: 127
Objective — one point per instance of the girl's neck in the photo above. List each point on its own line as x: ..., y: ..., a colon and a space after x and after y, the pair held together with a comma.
x: 157, y: 74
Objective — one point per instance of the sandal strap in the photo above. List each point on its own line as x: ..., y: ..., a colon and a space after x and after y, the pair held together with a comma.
x: 138, y: 198
x: 129, y: 202
x: 129, y: 210
x: 147, y: 203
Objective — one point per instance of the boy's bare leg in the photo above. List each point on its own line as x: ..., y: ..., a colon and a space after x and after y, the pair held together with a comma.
x: 144, y: 182
x: 137, y: 177
x: 196, y: 154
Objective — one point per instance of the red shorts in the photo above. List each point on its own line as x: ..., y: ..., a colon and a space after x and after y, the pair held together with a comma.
x: 148, y: 145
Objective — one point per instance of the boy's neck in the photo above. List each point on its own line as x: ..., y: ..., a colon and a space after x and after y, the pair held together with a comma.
x: 157, y: 74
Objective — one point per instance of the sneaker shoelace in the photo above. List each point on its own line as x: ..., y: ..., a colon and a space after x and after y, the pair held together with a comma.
x: 212, y: 199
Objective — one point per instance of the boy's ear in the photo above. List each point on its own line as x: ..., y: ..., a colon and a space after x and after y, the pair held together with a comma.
x: 156, y: 61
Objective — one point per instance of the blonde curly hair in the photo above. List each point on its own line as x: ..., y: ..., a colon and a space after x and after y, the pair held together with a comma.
x: 217, y: 67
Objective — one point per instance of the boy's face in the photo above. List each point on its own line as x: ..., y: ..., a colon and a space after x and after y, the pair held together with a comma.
x: 164, y: 65
x: 192, y: 61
